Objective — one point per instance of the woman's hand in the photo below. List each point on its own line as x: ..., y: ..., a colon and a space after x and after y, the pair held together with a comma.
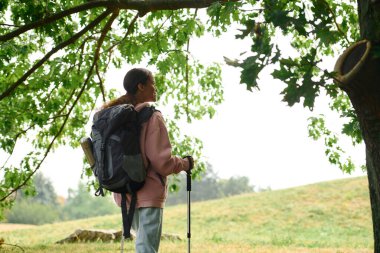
x: 191, y: 163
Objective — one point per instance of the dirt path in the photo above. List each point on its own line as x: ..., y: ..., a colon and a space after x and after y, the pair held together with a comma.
x: 10, y: 227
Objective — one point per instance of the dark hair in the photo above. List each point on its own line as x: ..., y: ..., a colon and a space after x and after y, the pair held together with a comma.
x: 134, y: 77
x: 131, y: 80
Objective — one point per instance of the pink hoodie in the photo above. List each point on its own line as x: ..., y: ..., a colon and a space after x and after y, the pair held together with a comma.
x: 156, y: 152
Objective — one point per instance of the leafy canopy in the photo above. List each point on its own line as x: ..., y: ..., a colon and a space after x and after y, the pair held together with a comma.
x: 54, y: 56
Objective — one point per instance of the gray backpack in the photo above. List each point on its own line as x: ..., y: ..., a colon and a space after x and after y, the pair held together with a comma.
x: 118, y: 164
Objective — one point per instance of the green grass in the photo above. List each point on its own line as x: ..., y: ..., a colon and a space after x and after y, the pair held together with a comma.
x: 326, y: 217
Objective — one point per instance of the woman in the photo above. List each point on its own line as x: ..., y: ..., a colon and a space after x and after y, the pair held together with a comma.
x: 156, y: 152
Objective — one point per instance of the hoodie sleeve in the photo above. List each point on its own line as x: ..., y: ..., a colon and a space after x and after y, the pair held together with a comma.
x: 158, y: 149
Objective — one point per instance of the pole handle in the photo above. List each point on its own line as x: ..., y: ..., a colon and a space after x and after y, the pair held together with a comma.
x: 188, y: 181
x: 188, y: 172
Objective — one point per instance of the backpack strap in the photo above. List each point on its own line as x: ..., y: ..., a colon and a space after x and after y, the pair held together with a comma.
x: 127, y: 216
x: 145, y: 113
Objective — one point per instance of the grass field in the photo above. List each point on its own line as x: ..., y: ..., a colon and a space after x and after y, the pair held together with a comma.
x: 326, y: 217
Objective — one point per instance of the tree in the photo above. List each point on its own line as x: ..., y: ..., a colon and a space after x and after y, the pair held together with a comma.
x: 46, y: 95
x: 205, y: 188
x: 41, y: 208
x: 236, y: 185
x: 28, y: 212
x: 53, y: 59
x: 210, y: 186
x: 82, y: 204
x: 319, y: 29
x: 45, y: 192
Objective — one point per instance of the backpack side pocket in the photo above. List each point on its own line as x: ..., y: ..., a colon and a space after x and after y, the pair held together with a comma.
x: 133, y: 165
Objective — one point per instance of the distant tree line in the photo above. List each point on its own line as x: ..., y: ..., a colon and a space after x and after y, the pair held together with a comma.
x: 210, y: 187
x: 44, y: 206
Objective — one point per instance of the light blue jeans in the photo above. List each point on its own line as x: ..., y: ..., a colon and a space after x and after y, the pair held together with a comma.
x: 147, y: 222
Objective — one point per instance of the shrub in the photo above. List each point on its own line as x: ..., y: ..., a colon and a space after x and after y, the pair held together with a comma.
x: 27, y: 212
x: 82, y: 204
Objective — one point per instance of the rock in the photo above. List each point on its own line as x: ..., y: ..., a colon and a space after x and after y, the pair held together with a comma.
x: 171, y: 237
x: 92, y: 235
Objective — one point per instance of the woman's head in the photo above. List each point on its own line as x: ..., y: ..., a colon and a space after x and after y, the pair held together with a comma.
x: 140, y: 85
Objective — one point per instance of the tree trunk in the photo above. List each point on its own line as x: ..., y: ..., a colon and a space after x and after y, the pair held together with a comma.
x: 369, y: 21
x: 373, y: 181
x: 358, y: 74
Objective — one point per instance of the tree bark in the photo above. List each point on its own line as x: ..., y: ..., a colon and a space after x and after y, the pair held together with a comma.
x: 369, y: 111
x: 369, y: 19
x: 367, y: 107
x: 373, y: 182
x: 358, y: 74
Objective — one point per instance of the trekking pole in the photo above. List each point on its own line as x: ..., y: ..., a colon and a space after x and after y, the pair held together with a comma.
x: 188, y: 177
x: 188, y: 184
x: 122, y: 240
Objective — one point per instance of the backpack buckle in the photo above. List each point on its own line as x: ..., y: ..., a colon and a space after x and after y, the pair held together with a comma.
x: 99, y: 192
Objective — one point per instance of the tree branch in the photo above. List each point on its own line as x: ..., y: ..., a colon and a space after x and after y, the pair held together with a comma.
x: 158, y: 28
x: 100, y: 78
x: 142, y: 6
x: 6, y: 161
x: 62, y: 45
x: 81, y: 47
x: 48, y: 97
x: 13, y: 245
x: 47, y: 150
x: 2, y: 24
x: 326, y: 73
x: 106, y: 28
x: 23, y: 132
x: 103, y: 35
x: 59, y: 113
x: 57, y: 16
x: 177, y: 51
x: 155, y: 5
x: 66, y: 103
x: 335, y: 22
x: 252, y: 10
x: 187, y: 80
x: 101, y: 85
x: 33, y: 125
x: 54, y: 138
x: 129, y: 30
x: 187, y: 72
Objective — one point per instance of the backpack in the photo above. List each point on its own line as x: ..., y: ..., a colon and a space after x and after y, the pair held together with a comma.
x: 117, y: 161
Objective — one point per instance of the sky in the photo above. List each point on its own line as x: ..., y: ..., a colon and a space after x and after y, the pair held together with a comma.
x: 253, y: 134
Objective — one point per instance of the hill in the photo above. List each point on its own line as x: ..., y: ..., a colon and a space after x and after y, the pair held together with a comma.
x: 331, y: 216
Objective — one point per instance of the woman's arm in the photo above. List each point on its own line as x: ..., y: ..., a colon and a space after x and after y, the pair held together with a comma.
x: 158, y: 149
